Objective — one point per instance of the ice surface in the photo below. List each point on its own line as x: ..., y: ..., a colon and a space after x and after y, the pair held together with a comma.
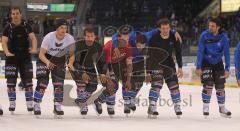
x: 192, y: 118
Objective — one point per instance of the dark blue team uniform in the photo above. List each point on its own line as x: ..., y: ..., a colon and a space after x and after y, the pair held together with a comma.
x: 209, y: 60
x: 237, y: 61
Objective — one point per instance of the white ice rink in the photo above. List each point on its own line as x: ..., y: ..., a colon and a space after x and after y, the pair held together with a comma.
x: 192, y: 118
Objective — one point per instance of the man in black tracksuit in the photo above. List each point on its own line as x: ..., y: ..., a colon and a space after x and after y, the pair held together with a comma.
x: 88, y: 53
x: 164, y: 69
x: 17, y: 37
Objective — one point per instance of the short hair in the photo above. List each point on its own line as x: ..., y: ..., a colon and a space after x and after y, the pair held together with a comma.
x: 88, y: 29
x: 15, y: 8
x: 141, y: 38
x: 163, y: 21
x: 216, y: 20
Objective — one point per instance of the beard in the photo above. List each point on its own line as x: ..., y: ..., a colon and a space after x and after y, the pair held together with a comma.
x: 89, y: 42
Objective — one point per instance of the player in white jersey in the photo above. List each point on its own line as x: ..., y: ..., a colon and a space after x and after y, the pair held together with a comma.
x: 52, y: 58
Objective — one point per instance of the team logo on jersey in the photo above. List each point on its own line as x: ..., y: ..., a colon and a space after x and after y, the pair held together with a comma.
x: 56, y: 49
x: 116, y: 59
x: 58, y: 44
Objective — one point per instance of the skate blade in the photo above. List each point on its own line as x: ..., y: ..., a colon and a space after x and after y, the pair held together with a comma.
x: 96, y: 110
x: 224, y: 115
x: 127, y: 115
x: 111, y: 116
x: 205, y: 116
x: 83, y: 116
x: 152, y: 116
x: 57, y: 116
x: 12, y: 112
x: 37, y: 116
x: 98, y: 114
x: 149, y: 116
x: 179, y: 116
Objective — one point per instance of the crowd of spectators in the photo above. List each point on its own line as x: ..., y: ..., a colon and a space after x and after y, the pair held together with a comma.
x: 143, y: 14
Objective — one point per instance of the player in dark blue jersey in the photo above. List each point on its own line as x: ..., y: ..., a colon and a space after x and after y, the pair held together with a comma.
x: 213, y: 44
x: 138, y: 41
x: 237, y: 63
x: 148, y: 35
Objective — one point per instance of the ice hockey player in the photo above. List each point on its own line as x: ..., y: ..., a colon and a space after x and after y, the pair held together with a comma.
x: 237, y: 63
x: 16, y: 40
x: 88, y: 54
x: 166, y: 42
x: 213, y: 43
x: 138, y: 41
x: 52, y: 59
x: 120, y: 68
